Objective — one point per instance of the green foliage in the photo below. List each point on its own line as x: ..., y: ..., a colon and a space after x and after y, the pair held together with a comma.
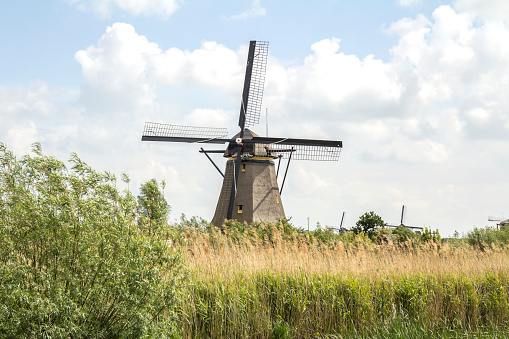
x: 195, y: 223
x: 269, y: 231
x: 152, y: 205
x: 403, y: 233
x: 484, y: 238
x: 326, y: 235
x: 281, y: 330
x: 74, y: 262
x: 428, y: 235
x: 368, y: 223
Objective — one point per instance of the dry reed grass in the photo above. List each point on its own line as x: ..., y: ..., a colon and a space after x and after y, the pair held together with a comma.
x: 217, y: 257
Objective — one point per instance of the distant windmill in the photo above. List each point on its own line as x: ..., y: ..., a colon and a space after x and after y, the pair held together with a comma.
x: 402, y: 221
x: 501, y: 222
x: 250, y: 190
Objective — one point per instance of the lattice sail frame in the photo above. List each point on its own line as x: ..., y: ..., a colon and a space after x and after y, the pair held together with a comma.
x: 256, y: 86
x: 300, y: 152
x: 155, y: 129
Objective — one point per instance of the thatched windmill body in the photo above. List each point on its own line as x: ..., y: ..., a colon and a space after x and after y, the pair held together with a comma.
x: 250, y: 189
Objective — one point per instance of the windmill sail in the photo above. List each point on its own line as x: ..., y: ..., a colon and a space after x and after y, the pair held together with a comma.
x: 254, y: 82
x: 251, y: 102
x: 176, y: 133
x: 491, y: 218
x: 303, y: 152
x: 300, y: 149
x: 294, y: 141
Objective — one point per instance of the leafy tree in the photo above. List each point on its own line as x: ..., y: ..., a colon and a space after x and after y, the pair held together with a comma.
x: 151, y: 203
x: 368, y: 222
x: 73, y: 261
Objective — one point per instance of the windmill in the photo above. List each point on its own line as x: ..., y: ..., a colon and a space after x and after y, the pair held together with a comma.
x: 402, y: 222
x: 250, y: 190
x: 501, y: 222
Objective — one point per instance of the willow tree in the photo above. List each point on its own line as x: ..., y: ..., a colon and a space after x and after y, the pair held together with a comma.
x: 73, y: 260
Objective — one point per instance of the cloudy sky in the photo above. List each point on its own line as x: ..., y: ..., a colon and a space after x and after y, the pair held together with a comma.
x: 417, y: 90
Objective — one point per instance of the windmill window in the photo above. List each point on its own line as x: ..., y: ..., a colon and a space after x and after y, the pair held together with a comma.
x: 243, y: 167
x: 239, y: 209
x: 277, y: 199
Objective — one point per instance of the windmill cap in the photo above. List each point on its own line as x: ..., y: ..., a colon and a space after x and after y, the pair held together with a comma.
x: 257, y: 150
x: 248, y: 134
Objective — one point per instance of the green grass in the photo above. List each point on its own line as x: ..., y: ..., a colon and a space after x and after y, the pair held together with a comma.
x: 332, y: 306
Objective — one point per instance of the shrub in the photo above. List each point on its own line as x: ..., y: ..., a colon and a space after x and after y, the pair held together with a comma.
x: 325, y: 235
x: 482, y: 238
x: 74, y: 262
x: 403, y: 233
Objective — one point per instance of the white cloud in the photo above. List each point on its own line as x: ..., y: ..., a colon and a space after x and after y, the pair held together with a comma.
x: 114, y: 71
x: 20, y: 136
x: 309, y: 180
x: 159, y: 8
x: 255, y: 10
x: 209, y: 117
x: 32, y: 99
x: 488, y: 10
x: 455, y: 61
x: 31, y: 113
x: 480, y: 115
x: 121, y: 74
x: 414, y: 151
x: 331, y: 81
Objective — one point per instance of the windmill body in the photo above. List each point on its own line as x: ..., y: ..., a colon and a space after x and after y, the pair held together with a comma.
x: 257, y: 197
x: 250, y: 189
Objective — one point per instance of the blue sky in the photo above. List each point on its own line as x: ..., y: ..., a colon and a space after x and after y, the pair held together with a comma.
x: 415, y: 89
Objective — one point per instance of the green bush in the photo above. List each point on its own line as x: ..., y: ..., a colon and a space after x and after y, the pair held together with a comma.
x: 74, y: 262
x: 483, y: 238
x: 403, y: 233
x: 325, y: 235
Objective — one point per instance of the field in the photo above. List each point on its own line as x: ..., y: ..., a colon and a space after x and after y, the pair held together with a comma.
x: 271, y: 281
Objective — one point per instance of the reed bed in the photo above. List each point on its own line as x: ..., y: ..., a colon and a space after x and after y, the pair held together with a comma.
x: 226, y: 262
x: 283, y: 284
